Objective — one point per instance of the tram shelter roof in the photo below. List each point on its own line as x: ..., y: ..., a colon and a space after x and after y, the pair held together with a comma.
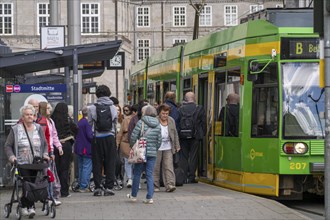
x: 19, y: 63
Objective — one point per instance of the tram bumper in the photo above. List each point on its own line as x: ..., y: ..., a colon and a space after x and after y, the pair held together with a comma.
x: 316, y: 167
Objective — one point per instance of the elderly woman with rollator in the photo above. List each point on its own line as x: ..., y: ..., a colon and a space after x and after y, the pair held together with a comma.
x: 26, y: 141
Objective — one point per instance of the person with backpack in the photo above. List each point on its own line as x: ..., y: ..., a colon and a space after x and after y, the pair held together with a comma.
x: 231, y: 113
x: 192, y: 129
x: 102, y: 116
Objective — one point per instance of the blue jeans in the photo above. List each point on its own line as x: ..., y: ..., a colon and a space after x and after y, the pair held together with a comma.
x: 128, y: 169
x: 137, y: 171
x: 85, y: 170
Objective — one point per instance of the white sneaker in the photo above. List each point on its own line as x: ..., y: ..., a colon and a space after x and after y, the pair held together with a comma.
x: 148, y: 201
x: 140, y: 186
x: 32, y: 212
x: 57, y: 202
x: 133, y: 199
x: 129, y: 183
x: 24, y: 211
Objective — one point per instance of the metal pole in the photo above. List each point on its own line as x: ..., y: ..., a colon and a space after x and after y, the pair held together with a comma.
x: 162, y: 19
x: 74, y: 35
x: 75, y: 83
x: 67, y: 81
x: 116, y: 38
x: 53, y: 12
x: 326, y: 47
x: 74, y: 38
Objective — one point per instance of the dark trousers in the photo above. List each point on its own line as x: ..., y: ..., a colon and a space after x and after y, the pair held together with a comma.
x: 189, y: 157
x: 63, y: 166
x: 104, y: 152
x: 30, y: 176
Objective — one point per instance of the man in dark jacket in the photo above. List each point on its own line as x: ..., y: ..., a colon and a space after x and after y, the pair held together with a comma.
x: 189, y: 146
x: 170, y: 99
x: 231, y: 113
x: 104, y: 150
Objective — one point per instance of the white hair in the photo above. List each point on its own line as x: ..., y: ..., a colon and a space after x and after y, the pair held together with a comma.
x: 27, y: 107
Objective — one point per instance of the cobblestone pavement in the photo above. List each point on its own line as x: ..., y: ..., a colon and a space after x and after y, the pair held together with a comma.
x: 191, y: 201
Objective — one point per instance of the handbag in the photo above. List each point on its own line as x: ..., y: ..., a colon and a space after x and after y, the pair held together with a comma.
x: 36, y: 159
x: 138, y: 152
x: 36, y: 191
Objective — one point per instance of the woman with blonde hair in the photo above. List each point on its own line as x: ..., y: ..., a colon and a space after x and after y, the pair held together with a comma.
x: 49, y: 128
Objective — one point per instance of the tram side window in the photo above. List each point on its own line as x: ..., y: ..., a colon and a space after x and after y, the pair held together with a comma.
x: 265, y: 104
x: 228, y: 98
x: 187, y: 85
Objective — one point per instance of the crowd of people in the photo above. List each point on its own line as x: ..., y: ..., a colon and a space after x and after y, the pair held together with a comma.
x: 102, y: 141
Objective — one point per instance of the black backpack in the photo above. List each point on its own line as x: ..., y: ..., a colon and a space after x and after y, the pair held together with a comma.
x: 103, y: 118
x: 187, y: 124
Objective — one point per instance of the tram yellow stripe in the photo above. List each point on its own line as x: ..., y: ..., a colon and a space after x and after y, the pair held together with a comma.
x: 247, y: 50
x: 257, y: 183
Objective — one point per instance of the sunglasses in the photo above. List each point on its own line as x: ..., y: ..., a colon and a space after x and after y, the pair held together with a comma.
x: 126, y: 110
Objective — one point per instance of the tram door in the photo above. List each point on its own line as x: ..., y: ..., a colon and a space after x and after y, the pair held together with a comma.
x: 203, y: 100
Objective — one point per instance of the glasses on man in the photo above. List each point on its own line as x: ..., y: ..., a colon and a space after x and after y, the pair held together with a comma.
x: 126, y: 110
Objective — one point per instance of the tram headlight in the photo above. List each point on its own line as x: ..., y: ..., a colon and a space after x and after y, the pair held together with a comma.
x: 295, y: 148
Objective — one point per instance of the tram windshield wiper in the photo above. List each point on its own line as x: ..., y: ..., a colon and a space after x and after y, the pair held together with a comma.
x: 317, y: 109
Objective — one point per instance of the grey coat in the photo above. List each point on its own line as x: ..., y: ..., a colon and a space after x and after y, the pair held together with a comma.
x: 154, y: 135
x: 13, y: 150
x: 92, y: 116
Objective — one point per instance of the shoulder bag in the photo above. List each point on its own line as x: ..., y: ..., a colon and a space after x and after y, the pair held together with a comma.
x: 138, y: 152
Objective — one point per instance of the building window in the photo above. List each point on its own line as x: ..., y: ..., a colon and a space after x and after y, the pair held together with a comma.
x: 143, y: 49
x: 143, y: 17
x: 230, y: 15
x: 205, y: 17
x: 255, y: 8
x: 90, y: 18
x: 43, y: 15
x: 179, y: 16
x: 6, y: 19
x: 179, y: 41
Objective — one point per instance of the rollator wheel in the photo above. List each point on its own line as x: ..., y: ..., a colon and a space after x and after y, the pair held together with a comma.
x: 75, y: 186
x: 6, y: 211
x: 91, y: 185
x: 18, y: 212
x: 52, y: 210
x: 46, y: 208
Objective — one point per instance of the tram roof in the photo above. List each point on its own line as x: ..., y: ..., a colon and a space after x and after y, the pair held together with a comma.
x: 19, y: 63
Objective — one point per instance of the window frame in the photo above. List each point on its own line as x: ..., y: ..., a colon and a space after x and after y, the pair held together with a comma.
x: 46, y: 16
x: 143, y: 49
x: 179, y: 16
x: 3, y: 17
x: 91, y: 16
x: 233, y: 22
x: 204, y: 15
x: 258, y: 7
x: 179, y: 40
x: 143, y: 15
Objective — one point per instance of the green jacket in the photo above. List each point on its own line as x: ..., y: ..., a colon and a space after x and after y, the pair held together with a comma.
x: 153, y: 137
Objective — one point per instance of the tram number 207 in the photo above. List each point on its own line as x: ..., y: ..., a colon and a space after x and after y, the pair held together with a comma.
x: 298, y: 166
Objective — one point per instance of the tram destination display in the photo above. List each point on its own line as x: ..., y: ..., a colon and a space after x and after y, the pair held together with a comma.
x: 300, y: 48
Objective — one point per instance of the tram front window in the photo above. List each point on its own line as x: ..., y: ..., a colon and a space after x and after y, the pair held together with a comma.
x: 303, y: 101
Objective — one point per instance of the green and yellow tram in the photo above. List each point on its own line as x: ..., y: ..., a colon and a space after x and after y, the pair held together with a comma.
x: 271, y: 60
